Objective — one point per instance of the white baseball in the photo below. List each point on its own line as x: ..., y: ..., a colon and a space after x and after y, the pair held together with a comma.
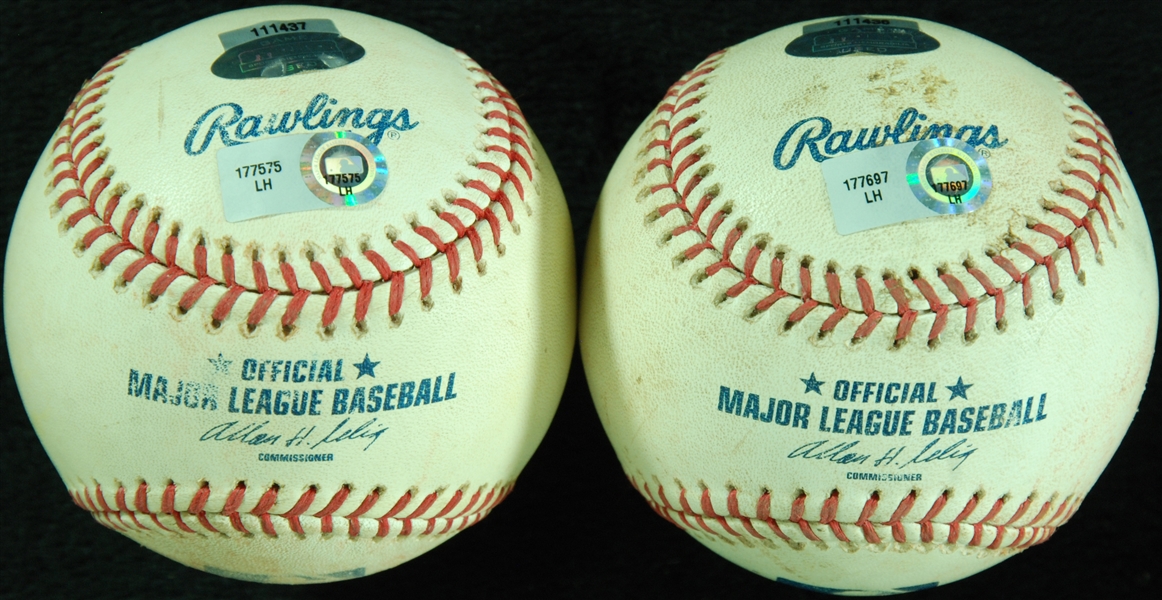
x: 306, y: 396
x: 887, y: 409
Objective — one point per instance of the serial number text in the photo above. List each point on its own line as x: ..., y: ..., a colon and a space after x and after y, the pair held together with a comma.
x: 273, y: 28
x: 258, y: 169
x: 344, y: 178
x: 859, y: 21
x: 949, y: 188
x: 869, y: 180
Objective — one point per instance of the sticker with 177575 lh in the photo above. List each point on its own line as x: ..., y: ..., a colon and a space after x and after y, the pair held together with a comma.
x: 294, y: 173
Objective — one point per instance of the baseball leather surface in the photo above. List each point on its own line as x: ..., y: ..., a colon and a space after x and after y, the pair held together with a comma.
x: 322, y: 392
x: 879, y: 410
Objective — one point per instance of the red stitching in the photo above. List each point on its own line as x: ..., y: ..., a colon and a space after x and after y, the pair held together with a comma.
x: 82, y: 174
x: 1016, y: 531
x: 119, y: 516
x: 675, y: 152
x: 864, y: 521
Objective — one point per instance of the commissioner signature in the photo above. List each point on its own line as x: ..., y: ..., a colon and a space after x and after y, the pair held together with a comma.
x: 257, y: 433
x: 847, y: 453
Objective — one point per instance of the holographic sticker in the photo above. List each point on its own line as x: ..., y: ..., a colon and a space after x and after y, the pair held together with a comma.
x: 905, y: 182
x: 343, y: 168
x: 948, y: 176
x: 298, y: 173
x: 282, y: 48
x: 861, y: 35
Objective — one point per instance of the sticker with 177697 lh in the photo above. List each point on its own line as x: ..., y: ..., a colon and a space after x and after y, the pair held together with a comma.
x: 904, y: 182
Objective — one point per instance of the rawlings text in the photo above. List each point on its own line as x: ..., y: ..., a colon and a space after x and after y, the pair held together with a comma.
x: 816, y: 136
x: 229, y: 122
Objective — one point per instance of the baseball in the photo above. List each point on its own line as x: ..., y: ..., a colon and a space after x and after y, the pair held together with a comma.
x: 868, y: 304
x: 289, y: 295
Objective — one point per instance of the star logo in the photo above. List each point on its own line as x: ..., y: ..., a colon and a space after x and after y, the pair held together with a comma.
x: 958, y: 390
x: 221, y: 365
x: 366, y: 367
x: 812, y: 384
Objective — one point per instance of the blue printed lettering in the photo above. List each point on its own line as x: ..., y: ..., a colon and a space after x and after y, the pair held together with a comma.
x: 407, y: 392
x: 891, y: 423
x: 229, y: 124
x: 389, y: 395
x: 997, y: 418
x: 948, y: 425
x: 217, y: 126
x: 802, y: 412
x: 752, y: 407
x: 982, y: 413
x: 768, y: 416
x: 249, y: 369
x: 281, y: 407
x: 358, y: 400
x: 265, y: 400
x: 817, y: 137
x: 729, y: 402
x: 299, y: 404
x: 906, y: 422
x: 139, y: 384
x: 965, y: 420
x: 424, y: 393
x: 855, y: 424
x: 339, y: 404
x: 316, y: 400
x: 160, y: 391
x: 783, y: 412
x: 247, y: 400
x: 374, y: 399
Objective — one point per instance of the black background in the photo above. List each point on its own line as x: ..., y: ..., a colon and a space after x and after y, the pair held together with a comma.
x: 585, y: 74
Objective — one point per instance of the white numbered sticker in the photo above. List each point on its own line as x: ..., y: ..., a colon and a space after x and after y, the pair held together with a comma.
x: 904, y: 182
x: 237, y: 37
x: 296, y: 173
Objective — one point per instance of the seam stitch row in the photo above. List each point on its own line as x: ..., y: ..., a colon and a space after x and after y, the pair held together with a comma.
x: 80, y: 154
x: 927, y: 529
x: 125, y: 514
x: 675, y: 137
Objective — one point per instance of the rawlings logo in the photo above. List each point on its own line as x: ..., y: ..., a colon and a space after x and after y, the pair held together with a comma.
x: 815, y: 135
x: 233, y: 126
